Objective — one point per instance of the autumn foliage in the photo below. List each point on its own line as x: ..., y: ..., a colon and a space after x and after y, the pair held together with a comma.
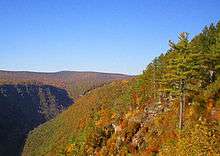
x: 141, y: 116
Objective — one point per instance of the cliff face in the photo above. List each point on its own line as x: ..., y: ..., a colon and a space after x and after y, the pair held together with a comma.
x: 24, y: 107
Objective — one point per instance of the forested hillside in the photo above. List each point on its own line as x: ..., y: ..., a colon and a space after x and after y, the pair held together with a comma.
x: 173, y: 108
x: 28, y: 99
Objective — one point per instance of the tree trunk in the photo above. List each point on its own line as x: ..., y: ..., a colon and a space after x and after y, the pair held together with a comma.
x: 181, y: 105
x: 181, y: 112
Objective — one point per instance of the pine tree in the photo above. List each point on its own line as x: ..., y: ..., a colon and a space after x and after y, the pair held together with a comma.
x: 204, y: 55
x: 181, y: 71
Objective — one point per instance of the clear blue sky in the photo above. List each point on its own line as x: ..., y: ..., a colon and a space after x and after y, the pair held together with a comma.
x: 120, y: 36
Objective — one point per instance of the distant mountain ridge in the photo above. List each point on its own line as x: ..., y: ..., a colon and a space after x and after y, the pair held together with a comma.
x: 67, y: 80
x: 60, y: 72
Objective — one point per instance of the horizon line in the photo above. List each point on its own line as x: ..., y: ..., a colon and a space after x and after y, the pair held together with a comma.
x: 78, y: 71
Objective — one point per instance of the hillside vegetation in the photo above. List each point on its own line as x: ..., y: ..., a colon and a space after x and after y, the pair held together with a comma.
x: 173, y: 108
x: 28, y: 99
x: 51, y: 137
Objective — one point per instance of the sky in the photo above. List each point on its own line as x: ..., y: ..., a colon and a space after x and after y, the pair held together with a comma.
x: 119, y: 36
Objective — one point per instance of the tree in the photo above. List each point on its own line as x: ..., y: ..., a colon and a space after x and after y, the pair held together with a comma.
x: 180, y: 71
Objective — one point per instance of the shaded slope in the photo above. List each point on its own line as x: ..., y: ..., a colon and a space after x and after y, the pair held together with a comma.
x: 23, y: 107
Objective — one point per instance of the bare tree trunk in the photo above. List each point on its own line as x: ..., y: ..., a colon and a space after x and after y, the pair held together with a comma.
x: 182, y: 101
x: 181, y: 112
